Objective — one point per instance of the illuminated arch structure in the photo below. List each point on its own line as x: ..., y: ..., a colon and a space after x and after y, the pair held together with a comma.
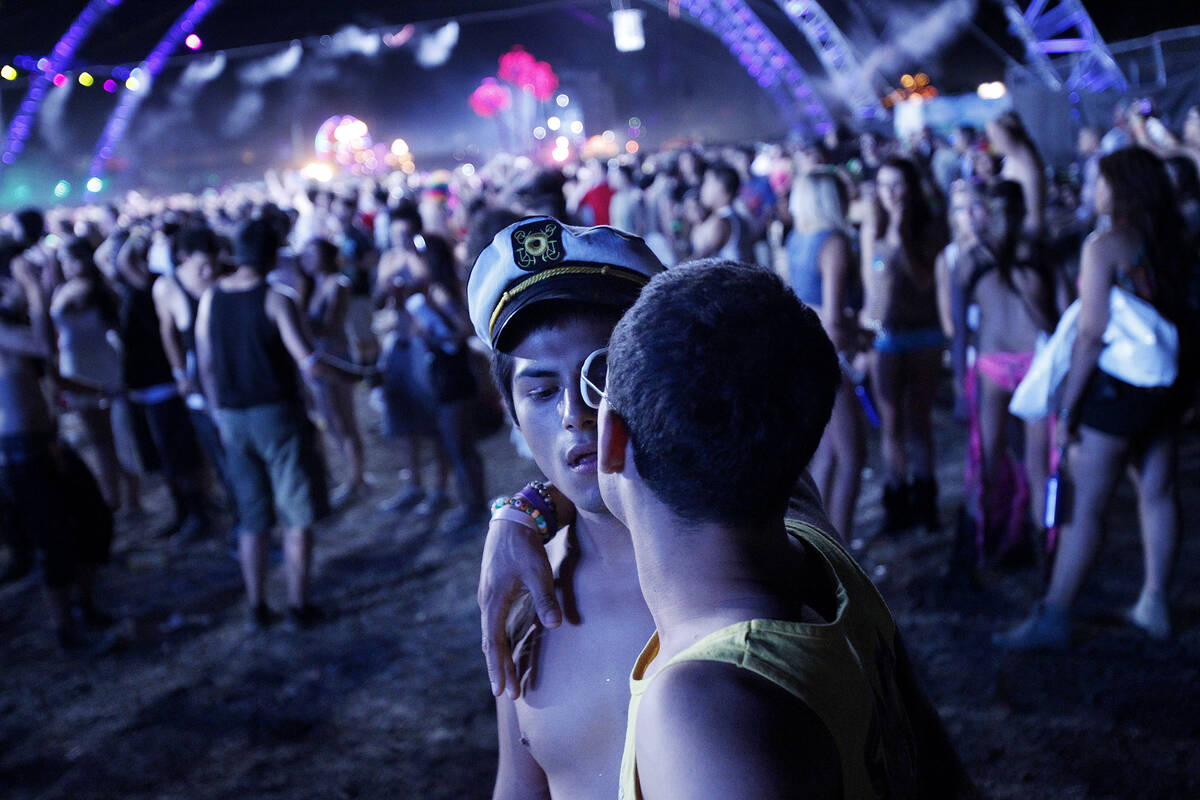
x: 841, y: 63
x: 127, y: 106
x: 1047, y: 27
x: 58, y: 61
x: 1063, y: 27
x: 766, y: 60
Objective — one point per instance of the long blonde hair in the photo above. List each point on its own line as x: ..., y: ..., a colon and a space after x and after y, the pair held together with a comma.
x: 819, y: 201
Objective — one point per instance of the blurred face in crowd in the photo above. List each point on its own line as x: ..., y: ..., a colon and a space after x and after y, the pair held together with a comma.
x: 712, y: 193
x: 967, y: 213
x: 984, y: 166
x: 1003, y: 224
x: 345, y: 209
x: 401, y: 233
x: 313, y: 260
x: 892, y: 190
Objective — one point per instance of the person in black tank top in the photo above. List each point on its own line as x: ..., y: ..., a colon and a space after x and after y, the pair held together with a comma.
x: 154, y: 400
x: 250, y: 342
x: 177, y: 299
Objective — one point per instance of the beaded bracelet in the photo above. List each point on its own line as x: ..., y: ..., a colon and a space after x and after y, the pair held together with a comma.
x: 525, y: 507
x: 538, y: 496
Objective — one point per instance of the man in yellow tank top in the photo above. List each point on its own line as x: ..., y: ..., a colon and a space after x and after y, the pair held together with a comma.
x: 776, y: 669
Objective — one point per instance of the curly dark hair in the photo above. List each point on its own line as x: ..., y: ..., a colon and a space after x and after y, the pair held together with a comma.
x: 725, y: 381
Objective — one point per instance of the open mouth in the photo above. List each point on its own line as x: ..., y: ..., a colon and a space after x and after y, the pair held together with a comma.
x: 581, y: 456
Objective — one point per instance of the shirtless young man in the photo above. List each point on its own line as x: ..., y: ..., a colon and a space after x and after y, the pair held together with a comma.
x: 776, y: 670
x: 544, y: 296
x: 723, y: 233
x: 177, y: 299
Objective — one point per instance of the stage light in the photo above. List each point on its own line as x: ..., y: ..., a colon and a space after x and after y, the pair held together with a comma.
x: 94, y: 185
x: 627, y: 30
x: 60, y: 79
x: 110, y: 86
x: 8, y: 72
x: 133, y: 84
x: 560, y: 154
x: 554, y: 123
x: 62, y: 189
x: 399, y: 147
x: 316, y: 171
x: 192, y: 42
x: 562, y: 100
x: 86, y: 79
x: 576, y: 127
x: 43, y: 64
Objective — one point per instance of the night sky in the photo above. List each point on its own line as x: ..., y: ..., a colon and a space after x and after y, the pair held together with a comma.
x: 683, y: 83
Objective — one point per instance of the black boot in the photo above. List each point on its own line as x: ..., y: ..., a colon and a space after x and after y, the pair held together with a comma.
x: 895, y: 508
x: 924, y: 496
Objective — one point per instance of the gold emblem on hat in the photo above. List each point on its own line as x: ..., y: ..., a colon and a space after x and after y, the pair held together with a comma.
x: 537, y: 247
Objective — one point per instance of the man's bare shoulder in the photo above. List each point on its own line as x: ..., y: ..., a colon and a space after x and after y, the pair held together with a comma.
x: 709, y: 728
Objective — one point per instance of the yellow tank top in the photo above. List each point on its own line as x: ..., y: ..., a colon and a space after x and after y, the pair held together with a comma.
x: 844, y: 670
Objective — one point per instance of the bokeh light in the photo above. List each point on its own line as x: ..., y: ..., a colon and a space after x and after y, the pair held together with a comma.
x: 8, y: 72
x: 554, y: 123
x: 576, y: 127
x: 62, y: 189
x: 539, y: 132
x: 316, y: 171
x: 86, y: 79
x: 94, y: 185
x: 192, y: 42
x: 60, y: 80
x: 110, y: 86
x: 562, y: 100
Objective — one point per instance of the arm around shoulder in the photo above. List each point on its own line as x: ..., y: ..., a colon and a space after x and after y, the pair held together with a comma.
x: 710, y: 729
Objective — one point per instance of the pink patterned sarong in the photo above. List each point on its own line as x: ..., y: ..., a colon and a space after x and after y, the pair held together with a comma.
x: 1000, y: 507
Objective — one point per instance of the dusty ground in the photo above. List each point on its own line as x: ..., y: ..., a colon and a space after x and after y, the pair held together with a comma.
x: 389, y: 698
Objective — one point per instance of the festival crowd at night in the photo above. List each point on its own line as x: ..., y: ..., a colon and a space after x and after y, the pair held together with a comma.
x: 741, y: 371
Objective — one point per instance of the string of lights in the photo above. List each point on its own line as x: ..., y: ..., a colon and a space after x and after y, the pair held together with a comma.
x: 182, y: 31
x: 51, y: 70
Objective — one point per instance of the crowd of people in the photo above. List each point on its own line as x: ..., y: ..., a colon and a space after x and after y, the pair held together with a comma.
x: 227, y: 340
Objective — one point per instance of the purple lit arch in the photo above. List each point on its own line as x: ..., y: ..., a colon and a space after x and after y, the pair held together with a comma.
x: 39, y: 80
x: 127, y: 106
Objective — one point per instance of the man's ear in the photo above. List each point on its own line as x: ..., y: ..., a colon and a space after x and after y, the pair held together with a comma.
x: 614, y: 439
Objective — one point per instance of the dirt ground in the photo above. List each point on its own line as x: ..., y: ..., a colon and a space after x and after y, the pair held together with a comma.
x: 389, y: 697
